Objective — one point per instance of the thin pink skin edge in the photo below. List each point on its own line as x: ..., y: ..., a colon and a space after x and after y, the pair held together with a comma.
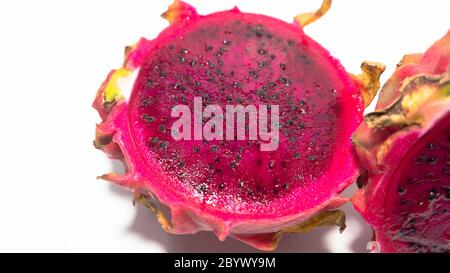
x: 188, y: 219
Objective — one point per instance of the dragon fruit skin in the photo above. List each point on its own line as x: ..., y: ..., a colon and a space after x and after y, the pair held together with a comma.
x: 272, y: 202
x: 405, y: 148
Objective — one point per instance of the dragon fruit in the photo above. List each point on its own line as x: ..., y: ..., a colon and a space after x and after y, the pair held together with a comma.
x: 234, y: 187
x: 405, y: 148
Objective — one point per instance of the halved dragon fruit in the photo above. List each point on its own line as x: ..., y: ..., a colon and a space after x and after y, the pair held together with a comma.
x: 235, y: 187
x: 405, y: 148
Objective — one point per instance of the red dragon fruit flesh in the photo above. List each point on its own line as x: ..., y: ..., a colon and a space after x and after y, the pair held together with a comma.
x: 285, y: 177
x: 405, y: 148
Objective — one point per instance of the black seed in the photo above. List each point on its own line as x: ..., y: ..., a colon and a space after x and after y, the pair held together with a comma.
x: 289, y: 122
x: 432, y: 195
x: 296, y: 155
x: 227, y: 42
x: 149, y: 83
x: 253, y: 74
x: 401, y: 190
x: 233, y: 165
x: 198, y: 83
x: 181, y: 164
x: 271, y: 164
x: 432, y: 160
x: 283, y: 80
x: 163, y: 145
x: 146, y: 102
x: 447, y: 193
x: 259, y: 30
x: 184, y: 51
x: 411, y: 181
x: 221, y: 186
x: 272, y: 84
x: 261, y: 64
x: 275, y: 96
x: 182, y: 60
x: 431, y: 146
x: 229, y: 99
x: 155, y: 140
x: 283, y: 66
x: 210, y: 64
x: 421, y: 159
x: 196, y: 149
x: 193, y: 63
x: 261, y: 52
x: 177, y: 86
x: 202, y: 187
x: 214, y: 148
x: 237, y: 85
x: 241, y: 183
x: 147, y: 118
x: 285, y: 186
x: 301, y: 126
x: 311, y: 158
x: 220, y: 62
x: 162, y: 128
x: 304, y: 59
x: 208, y: 47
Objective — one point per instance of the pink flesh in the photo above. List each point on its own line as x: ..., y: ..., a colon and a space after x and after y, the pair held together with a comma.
x: 417, y: 210
x: 319, y: 107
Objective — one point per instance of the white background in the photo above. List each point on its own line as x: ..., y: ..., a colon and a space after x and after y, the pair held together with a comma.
x: 53, y: 57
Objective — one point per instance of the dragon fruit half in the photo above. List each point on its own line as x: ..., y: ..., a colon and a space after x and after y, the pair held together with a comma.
x: 405, y: 148
x: 235, y: 187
